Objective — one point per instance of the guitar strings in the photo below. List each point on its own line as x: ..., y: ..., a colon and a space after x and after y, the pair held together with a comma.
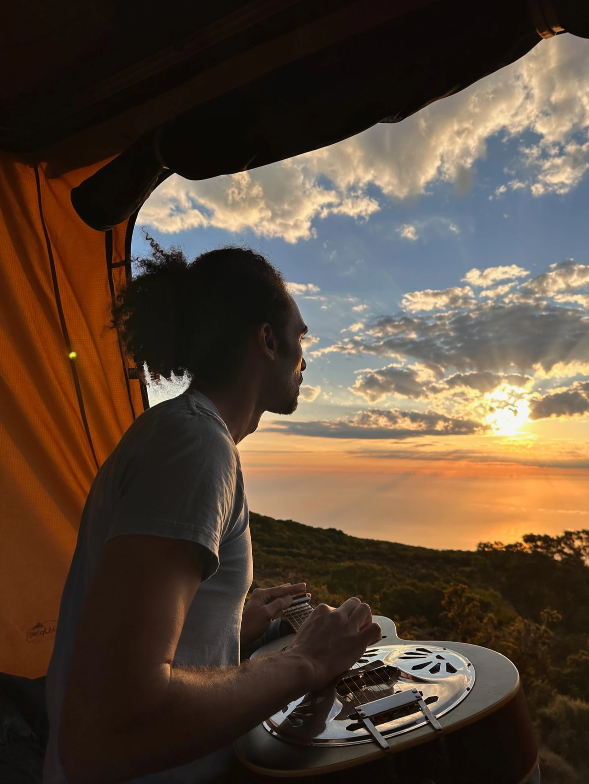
x: 297, y: 617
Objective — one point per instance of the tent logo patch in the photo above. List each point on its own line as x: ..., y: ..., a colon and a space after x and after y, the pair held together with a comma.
x: 41, y: 631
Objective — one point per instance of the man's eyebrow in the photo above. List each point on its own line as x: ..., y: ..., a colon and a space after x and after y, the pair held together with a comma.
x: 305, y: 329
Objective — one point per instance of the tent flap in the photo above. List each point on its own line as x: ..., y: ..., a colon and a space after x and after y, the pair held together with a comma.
x: 65, y: 394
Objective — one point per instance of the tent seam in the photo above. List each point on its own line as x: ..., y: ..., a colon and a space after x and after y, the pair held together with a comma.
x: 129, y: 276
x: 61, y: 315
x: 108, y: 246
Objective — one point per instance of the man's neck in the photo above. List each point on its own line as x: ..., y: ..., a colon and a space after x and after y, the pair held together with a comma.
x: 238, y: 409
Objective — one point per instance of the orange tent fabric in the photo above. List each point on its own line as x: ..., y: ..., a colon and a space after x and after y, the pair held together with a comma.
x: 60, y: 415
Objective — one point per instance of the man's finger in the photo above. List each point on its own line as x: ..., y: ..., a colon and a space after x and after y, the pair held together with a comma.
x: 273, y: 608
x: 349, y: 606
x: 371, y: 634
x: 361, y: 615
x: 283, y: 590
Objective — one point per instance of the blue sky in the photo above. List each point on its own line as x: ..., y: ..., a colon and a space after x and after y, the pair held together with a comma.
x: 442, y: 268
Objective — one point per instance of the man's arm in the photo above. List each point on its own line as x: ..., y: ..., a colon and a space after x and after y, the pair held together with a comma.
x: 128, y: 712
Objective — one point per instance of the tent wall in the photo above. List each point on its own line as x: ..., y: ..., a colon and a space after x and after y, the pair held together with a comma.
x: 60, y: 417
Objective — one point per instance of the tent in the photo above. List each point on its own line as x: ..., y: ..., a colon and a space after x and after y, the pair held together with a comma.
x: 100, y: 101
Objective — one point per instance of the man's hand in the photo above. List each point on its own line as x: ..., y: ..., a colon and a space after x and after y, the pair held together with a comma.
x: 331, y: 641
x: 263, y: 605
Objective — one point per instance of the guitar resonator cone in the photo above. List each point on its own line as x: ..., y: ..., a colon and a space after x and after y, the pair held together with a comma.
x: 328, y: 717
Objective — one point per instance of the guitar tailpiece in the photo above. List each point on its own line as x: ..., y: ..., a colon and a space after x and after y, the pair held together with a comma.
x: 367, y: 713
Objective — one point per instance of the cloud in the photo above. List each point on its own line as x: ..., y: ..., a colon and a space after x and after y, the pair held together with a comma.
x: 563, y: 370
x: 578, y: 299
x: 483, y: 382
x: 308, y: 393
x: 418, y: 382
x: 377, y: 423
x: 544, y: 95
x: 488, y: 337
x: 563, y: 276
x: 493, y: 453
x: 356, y: 327
x: 310, y: 340
x: 301, y: 289
x: 274, y: 201
x: 431, y: 299
x: 408, y: 232
x: 392, y: 380
x: 493, y: 275
x: 526, y: 330
x: 561, y: 167
x: 570, y: 402
x: 435, y: 225
x: 498, y: 291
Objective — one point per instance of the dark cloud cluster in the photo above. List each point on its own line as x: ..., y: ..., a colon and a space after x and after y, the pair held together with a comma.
x: 515, y: 334
x: 411, y: 382
x: 392, y: 380
x: 484, y: 381
x: 570, y: 402
x: 378, y: 423
x: 488, y: 337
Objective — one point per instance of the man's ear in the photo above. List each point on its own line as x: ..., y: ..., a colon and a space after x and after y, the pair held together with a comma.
x: 267, y: 340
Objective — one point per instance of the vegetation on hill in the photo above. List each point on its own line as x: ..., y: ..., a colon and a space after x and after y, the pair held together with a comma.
x: 528, y: 600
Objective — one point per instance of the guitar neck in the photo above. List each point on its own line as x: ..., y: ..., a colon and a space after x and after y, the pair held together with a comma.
x: 298, y: 612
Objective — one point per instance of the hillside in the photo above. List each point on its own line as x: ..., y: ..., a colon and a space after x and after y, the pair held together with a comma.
x: 529, y: 601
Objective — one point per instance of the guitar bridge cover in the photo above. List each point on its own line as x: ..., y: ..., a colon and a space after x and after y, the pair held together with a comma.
x: 328, y: 717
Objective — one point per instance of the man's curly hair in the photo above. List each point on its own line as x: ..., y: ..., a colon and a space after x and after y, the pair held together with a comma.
x: 179, y: 316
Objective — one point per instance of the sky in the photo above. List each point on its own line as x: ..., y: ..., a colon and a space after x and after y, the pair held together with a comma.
x: 442, y: 267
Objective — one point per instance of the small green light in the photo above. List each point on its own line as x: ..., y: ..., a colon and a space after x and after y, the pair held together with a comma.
x: 72, y: 355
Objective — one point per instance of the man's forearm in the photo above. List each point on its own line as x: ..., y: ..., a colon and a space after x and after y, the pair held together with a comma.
x: 203, y: 709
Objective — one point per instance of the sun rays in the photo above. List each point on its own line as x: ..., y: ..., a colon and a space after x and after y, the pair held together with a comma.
x: 509, y: 409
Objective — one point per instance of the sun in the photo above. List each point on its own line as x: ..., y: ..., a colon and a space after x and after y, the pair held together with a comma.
x: 509, y: 409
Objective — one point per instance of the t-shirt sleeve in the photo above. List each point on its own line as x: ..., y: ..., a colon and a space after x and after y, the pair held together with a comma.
x: 179, y: 482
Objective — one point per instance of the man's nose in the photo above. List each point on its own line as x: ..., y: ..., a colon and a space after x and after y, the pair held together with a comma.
x: 303, y: 365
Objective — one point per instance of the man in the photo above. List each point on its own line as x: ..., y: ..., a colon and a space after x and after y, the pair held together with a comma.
x: 145, y: 682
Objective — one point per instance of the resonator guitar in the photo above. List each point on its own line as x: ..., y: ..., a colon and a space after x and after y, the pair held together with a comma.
x: 452, y: 708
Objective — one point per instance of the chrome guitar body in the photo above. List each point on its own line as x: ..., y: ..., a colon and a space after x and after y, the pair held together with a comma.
x: 461, y: 706
x: 440, y: 676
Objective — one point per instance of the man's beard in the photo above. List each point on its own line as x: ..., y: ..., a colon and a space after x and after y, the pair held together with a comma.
x: 291, y: 402
x: 293, y: 405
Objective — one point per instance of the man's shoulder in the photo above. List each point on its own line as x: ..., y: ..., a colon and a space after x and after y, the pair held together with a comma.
x: 181, y: 422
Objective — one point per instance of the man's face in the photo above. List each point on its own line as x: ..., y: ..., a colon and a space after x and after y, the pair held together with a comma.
x: 287, y: 375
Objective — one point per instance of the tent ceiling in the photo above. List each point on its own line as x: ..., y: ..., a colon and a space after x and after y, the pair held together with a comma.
x: 80, y: 83
x: 68, y: 67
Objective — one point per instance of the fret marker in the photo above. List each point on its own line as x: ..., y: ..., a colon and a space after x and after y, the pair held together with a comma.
x: 72, y: 355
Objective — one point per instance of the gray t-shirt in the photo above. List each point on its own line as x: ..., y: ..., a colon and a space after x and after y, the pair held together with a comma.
x: 175, y: 473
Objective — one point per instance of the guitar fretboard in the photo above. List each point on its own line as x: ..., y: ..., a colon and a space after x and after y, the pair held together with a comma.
x: 298, y: 612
